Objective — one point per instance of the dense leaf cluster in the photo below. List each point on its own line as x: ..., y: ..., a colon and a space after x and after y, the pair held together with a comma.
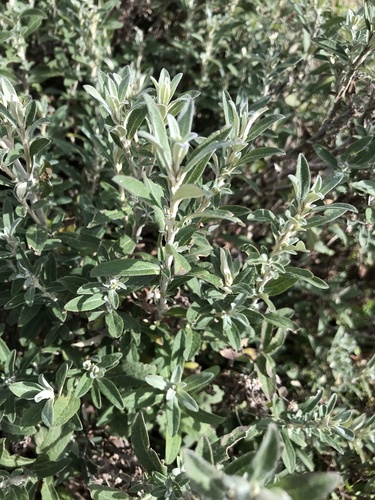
x: 187, y: 259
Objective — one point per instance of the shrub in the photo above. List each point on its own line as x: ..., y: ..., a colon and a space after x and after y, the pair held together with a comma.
x: 166, y: 290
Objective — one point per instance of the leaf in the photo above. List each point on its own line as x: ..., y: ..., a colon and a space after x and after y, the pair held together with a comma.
x: 133, y: 186
x: 280, y: 285
x: 125, y: 267
x: 157, y: 382
x: 325, y: 155
x: 141, y: 444
x: 185, y: 118
x: 84, y: 303
x: 281, y: 321
x: 187, y: 401
x: 262, y: 125
x: 357, y: 147
x: 312, y: 486
x: 204, y: 275
x: 229, y: 108
x: 30, y: 113
x: 233, y: 335
x: 44, y: 467
x: 61, y: 375
x: 332, y: 47
x: 240, y: 465
x: 65, y: 407
x: 16, y: 430
x: 54, y: 440
x: 95, y: 94
x: 110, y: 391
x: 159, y: 131
x: 365, y: 186
x: 257, y: 154
x: 99, y: 492
x: 25, y: 390
x: 334, y: 206
x: 134, y: 120
x: 262, y: 215
x: 38, y: 145
x: 267, y: 379
x: 205, y: 417
x: 321, y: 220
x: 204, y: 449
x: 197, y: 381
x: 363, y: 158
x: 4, y: 35
x: 266, y: 458
x: 36, y: 237
x: 180, y: 263
x: 48, y: 491
x: 306, y: 275
x: 172, y: 447
x: 204, y: 477
x: 311, y: 403
x: 288, y: 455
x: 115, y: 324
x: 84, y: 385
x: 215, y: 214
x: 48, y: 414
x: 303, y: 176
x: 331, y: 182
x: 221, y: 447
x: 173, y: 412
x: 203, y: 152
x: 188, y: 191
x: 72, y: 283
x: 12, y: 461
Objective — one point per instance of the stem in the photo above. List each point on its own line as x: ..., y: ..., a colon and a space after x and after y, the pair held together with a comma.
x: 289, y: 231
x: 32, y: 214
x: 171, y: 231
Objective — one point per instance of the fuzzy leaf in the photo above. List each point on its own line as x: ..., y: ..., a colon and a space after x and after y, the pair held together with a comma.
x: 125, y: 267
x: 99, y: 492
x: 188, y: 191
x: 262, y: 125
x: 325, y: 155
x: 110, y: 391
x: 266, y: 458
x: 173, y: 416
x: 65, y: 407
x: 133, y: 186
x: 303, y: 176
x: 85, y: 303
x: 141, y: 444
x: 159, y: 131
x: 172, y: 447
x: 314, y: 486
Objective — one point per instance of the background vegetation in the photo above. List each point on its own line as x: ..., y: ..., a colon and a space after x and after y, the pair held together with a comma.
x: 187, y: 262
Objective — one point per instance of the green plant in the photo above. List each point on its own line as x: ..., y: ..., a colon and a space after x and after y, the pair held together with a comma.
x: 164, y: 287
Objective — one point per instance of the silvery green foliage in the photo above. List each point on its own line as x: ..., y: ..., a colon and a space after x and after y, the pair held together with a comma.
x: 159, y: 241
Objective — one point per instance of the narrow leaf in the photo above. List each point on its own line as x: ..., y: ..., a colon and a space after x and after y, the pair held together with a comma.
x: 159, y: 131
x: 141, y: 444
x: 173, y: 416
x: 110, y: 391
x: 125, y: 267
x: 313, y: 486
x: 259, y: 127
x: 265, y: 461
x: 172, y: 447
x: 133, y: 186
x: 85, y: 303
x: 303, y: 176
x: 188, y: 191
